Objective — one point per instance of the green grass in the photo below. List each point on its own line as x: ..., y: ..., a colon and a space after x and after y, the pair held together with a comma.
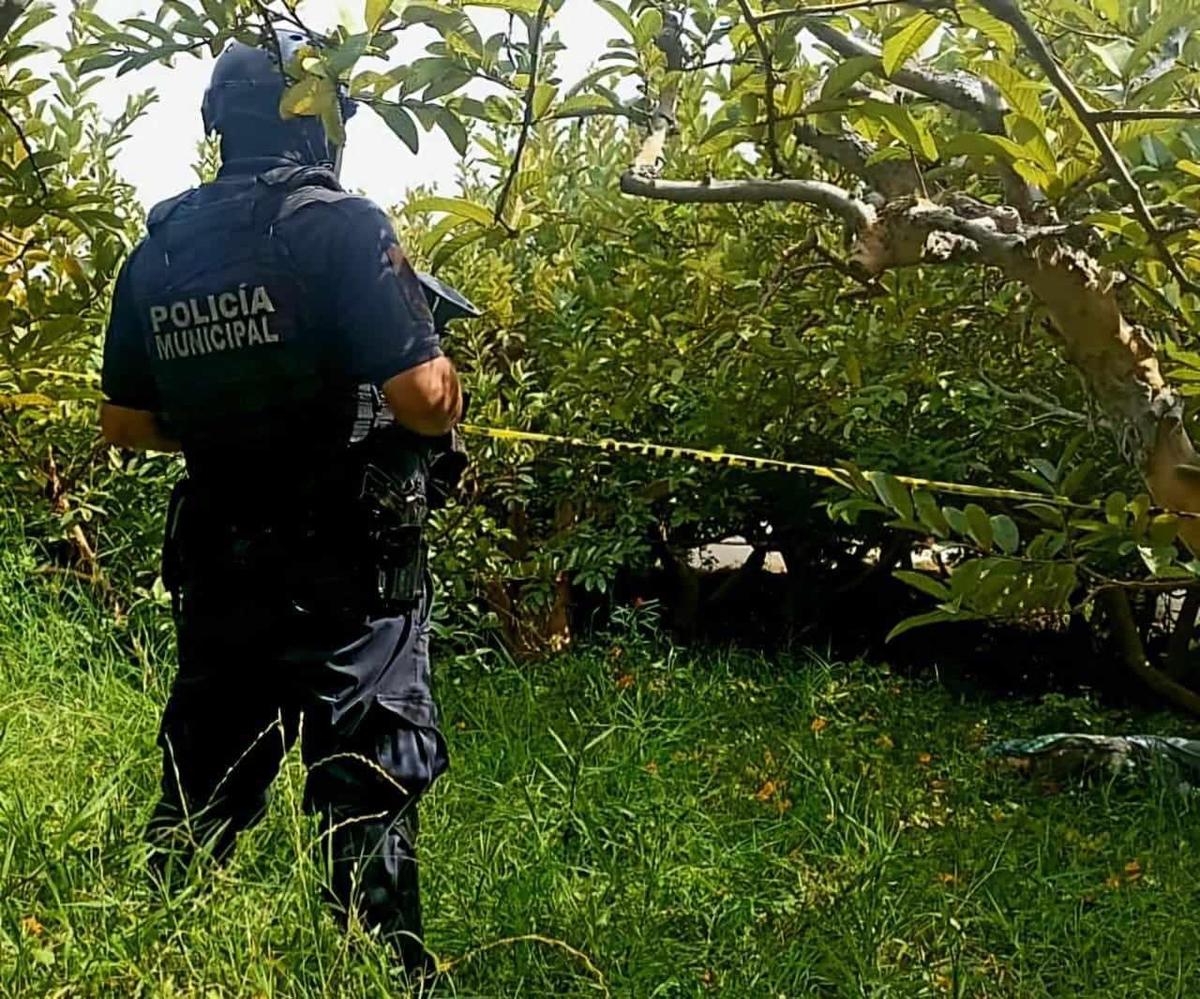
x: 667, y: 823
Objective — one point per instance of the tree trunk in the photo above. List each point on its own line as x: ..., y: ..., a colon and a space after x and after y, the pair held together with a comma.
x: 1116, y: 603
x: 1116, y: 358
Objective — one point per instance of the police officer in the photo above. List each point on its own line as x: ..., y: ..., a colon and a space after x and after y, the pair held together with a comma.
x: 270, y: 327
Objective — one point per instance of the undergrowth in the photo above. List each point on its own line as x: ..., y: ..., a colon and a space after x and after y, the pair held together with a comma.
x: 629, y: 818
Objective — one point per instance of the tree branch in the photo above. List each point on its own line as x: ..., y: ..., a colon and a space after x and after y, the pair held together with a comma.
x: 833, y: 9
x: 24, y: 140
x: 851, y: 151
x: 1147, y: 114
x: 1010, y: 13
x: 649, y: 158
x: 1045, y: 405
x: 535, y: 51
x: 857, y: 214
x: 1116, y: 603
x: 960, y: 91
x: 764, y: 53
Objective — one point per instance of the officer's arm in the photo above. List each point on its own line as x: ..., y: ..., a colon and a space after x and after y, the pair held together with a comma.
x: 127, y: 418
x: 136, y: 429
x: 427, y: 399
x: 388, y: 337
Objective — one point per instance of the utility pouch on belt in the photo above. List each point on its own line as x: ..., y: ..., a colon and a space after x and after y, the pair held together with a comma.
x: 395, y: 510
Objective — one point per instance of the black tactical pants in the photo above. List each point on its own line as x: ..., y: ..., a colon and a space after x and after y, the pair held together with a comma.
x: 255, y: 675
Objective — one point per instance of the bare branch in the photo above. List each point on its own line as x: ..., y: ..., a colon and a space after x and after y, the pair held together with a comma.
x: 769, y: 82
x: 914, y: 231
x: 535, y: 51
x: 1010, y: 13
x: 833, y: 9
x: 852, y: 152
x: 1048, y: 406
x: 649, y: 158
x: 24, y: 139
x: 960, y: 91
x: 1147, y: 114
x: 1073, y: 29
x: 857, y: 214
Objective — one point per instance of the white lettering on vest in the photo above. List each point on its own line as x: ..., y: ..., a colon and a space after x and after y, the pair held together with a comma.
x: 158, y: 315
x: 196, y: 331
x: 262, y: 302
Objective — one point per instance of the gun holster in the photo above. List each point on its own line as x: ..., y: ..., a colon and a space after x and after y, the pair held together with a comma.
x: 395, y: 508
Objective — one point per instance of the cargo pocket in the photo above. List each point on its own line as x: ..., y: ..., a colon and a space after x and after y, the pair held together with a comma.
x: 409, y: 746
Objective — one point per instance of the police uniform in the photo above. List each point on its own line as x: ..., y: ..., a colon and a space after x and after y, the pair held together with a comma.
x: 258, y: 319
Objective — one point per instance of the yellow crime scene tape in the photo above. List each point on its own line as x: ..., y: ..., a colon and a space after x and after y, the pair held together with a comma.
x: 731, y: 460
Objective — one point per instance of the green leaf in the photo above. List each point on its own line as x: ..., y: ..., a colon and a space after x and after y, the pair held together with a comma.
x: 308, y: 96
x: 887, y: 154
x: 1162, y: 530
x: 1022, y: 94
x: 979, y: 526
x: 516, y: 6
x: 845, y: 74
x: 920, y: 620
x: 903, y: 126
x: 400, y: 122
x: 34, y: 17
x: 648, y: 26
x: 1005, y: 532
x: 1114, y: 55
x: 957, y: 520
x: 930, y: 514
x: 451, y: 246
x: 454, y: 130
x: 1114, y: 509
x: 923, y: 582
x: 1160, y: 560
x: 981, y: 144
x: 892, y: 493
x: 543, y: 97
x: 454, y: 206
x: 450, y: 80
x: 987, y: 24
x: 903, y: 45
x: 341, y: 58
x: 1033, y: 141
x: 375, y: 11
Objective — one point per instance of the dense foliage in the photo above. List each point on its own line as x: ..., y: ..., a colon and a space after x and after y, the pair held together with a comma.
x: 759, y: 323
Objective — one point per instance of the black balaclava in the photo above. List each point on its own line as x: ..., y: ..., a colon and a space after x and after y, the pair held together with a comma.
x: 241, y: 105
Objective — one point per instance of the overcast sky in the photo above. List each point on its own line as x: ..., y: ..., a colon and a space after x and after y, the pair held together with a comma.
x: 157, y: 158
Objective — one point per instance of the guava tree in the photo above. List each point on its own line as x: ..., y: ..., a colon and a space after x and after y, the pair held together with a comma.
x: 66, y: 220
x: 1053, y: 141
x: 1039, y: 155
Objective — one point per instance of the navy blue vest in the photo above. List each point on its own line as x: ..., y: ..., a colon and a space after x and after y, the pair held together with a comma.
x: 241, y: 361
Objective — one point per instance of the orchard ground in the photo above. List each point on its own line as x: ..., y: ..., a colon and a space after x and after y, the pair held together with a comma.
x: 630, y: 818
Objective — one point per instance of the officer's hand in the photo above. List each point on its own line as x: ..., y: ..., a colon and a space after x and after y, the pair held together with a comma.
x: 426, y: 399
x: 136, y: 429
